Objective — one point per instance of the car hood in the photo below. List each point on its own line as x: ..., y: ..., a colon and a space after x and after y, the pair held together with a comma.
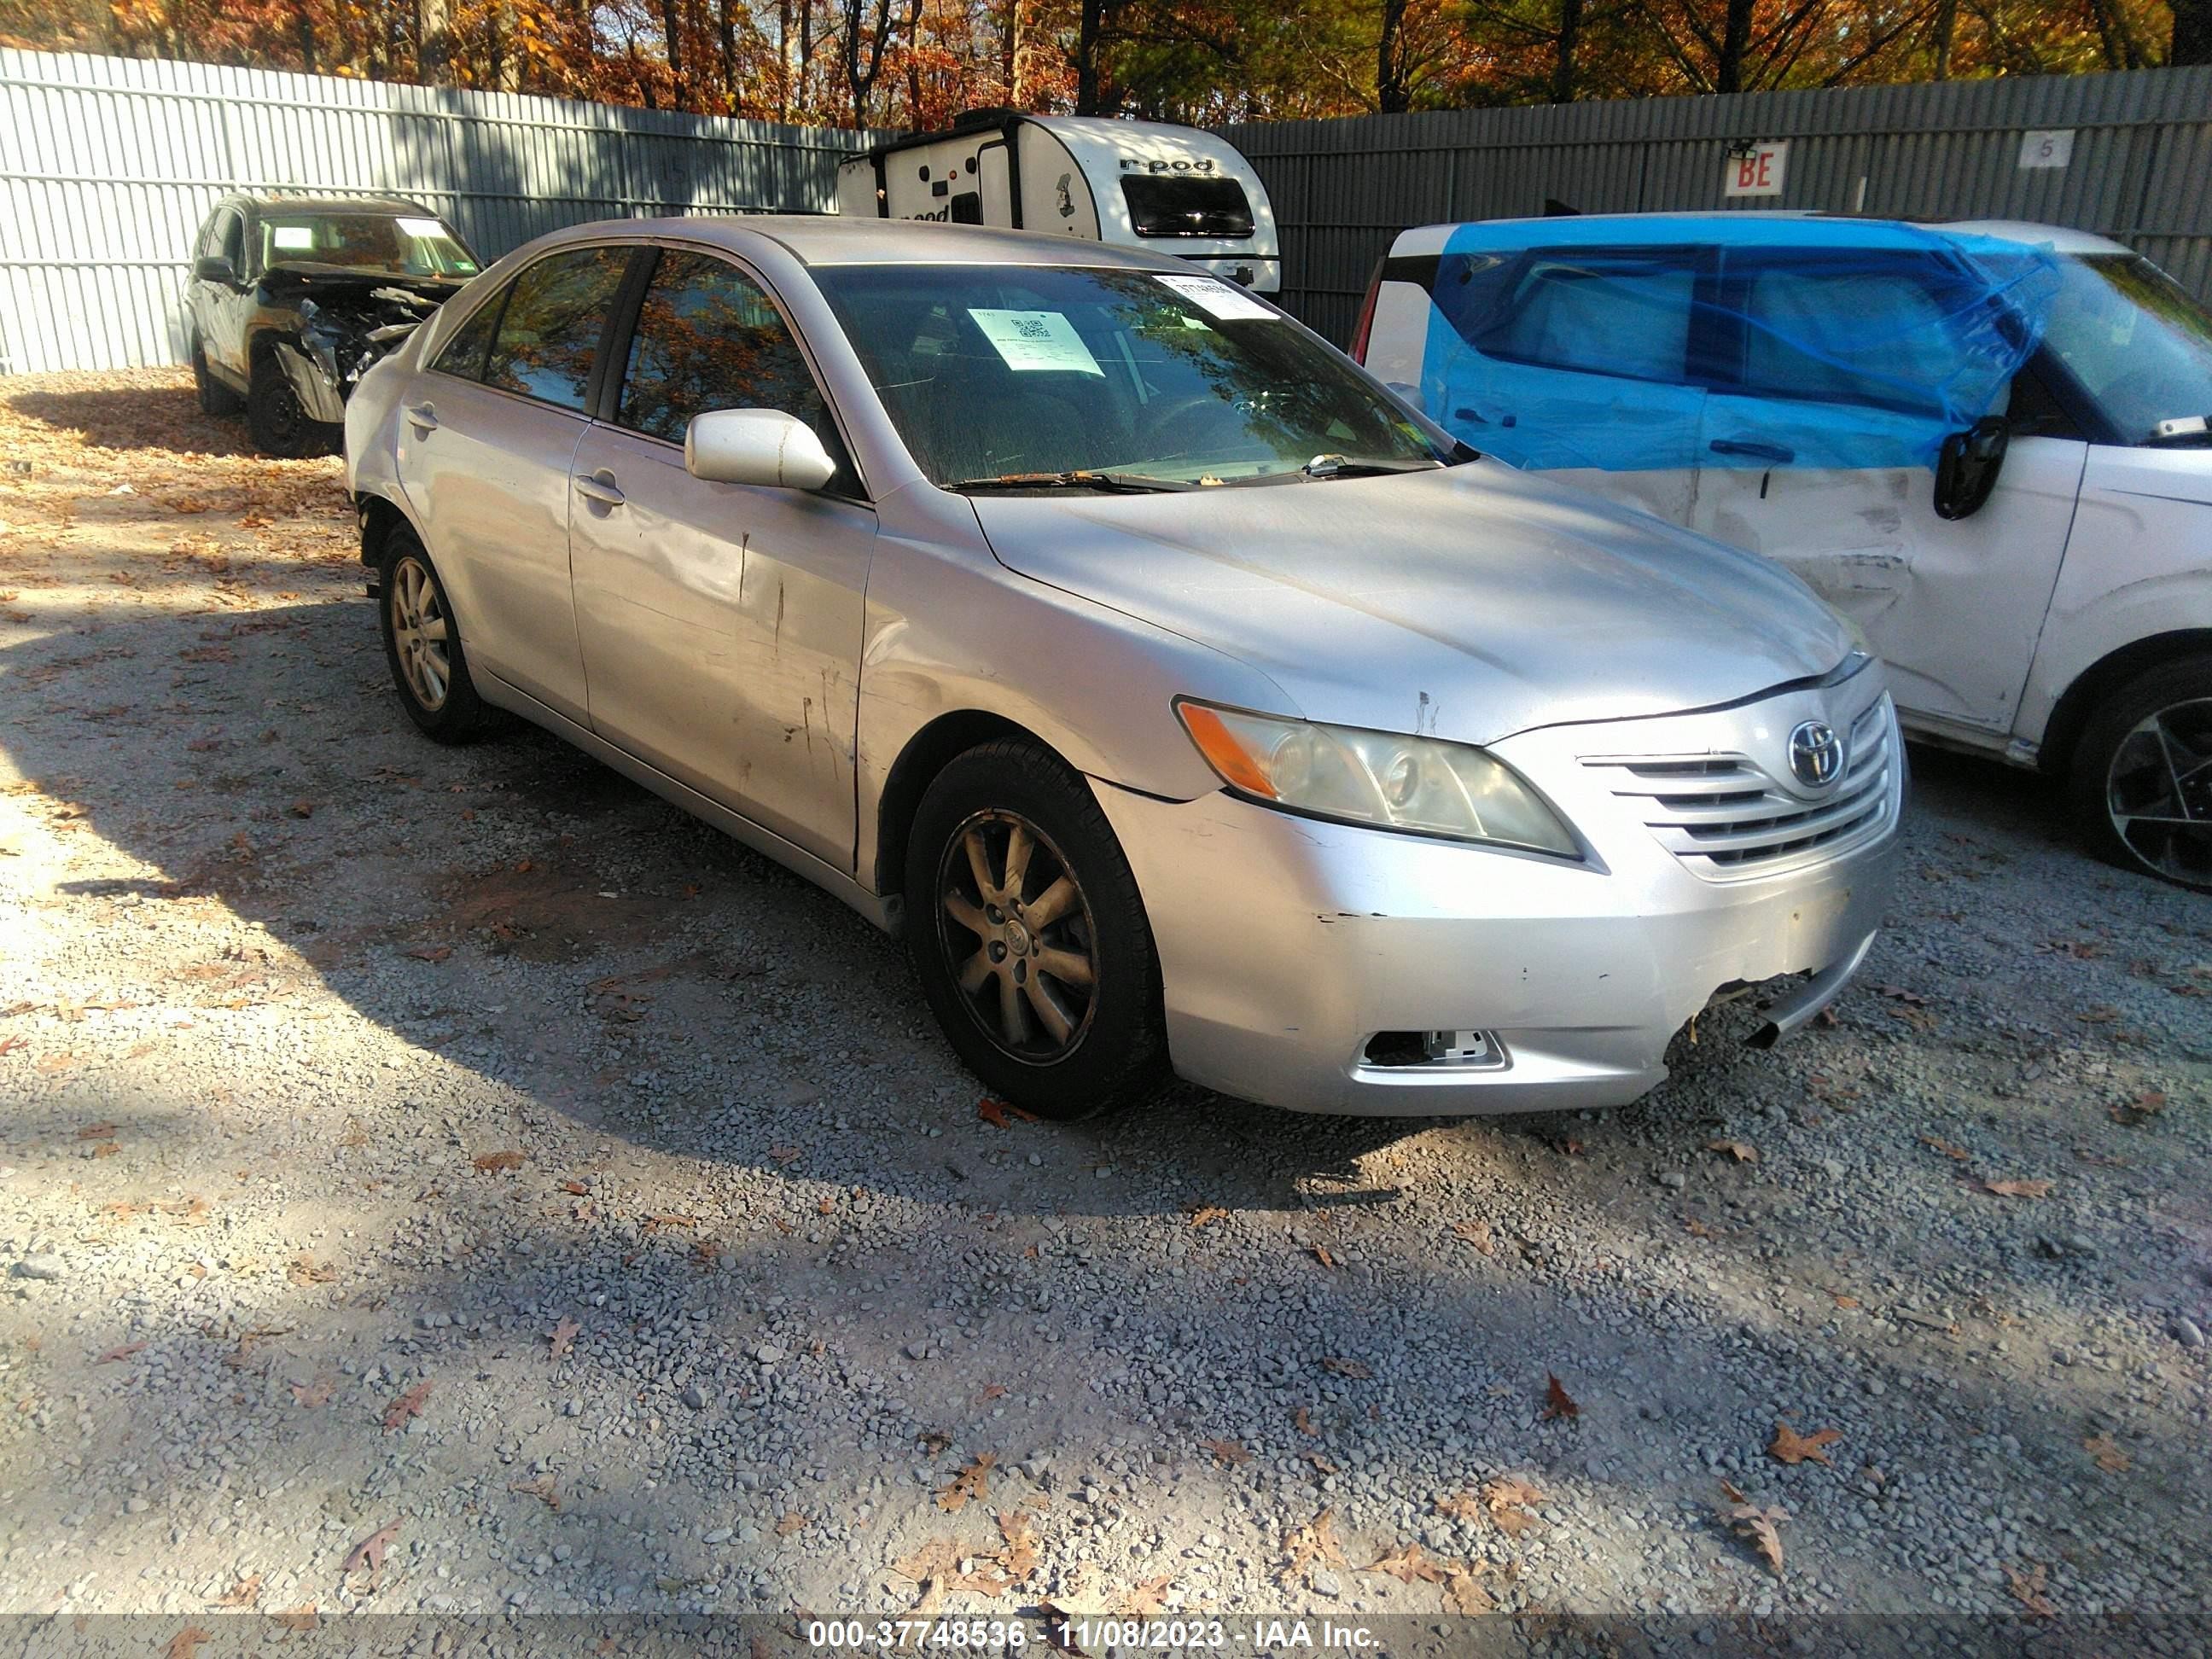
x: 329, y: 281
x: 1473, y: 602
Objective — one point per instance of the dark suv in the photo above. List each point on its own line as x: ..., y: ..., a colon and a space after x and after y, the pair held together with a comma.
x: 292, y: 298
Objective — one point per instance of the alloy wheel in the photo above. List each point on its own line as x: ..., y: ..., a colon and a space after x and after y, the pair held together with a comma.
x: 419, y: 634
x: 2159, y: 792
x: 1017, y: 933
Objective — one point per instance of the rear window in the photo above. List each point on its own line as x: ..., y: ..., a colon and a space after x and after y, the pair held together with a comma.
x: 1180, y: 205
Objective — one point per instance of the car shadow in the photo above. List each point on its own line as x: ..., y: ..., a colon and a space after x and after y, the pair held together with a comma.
x: 158, y: 418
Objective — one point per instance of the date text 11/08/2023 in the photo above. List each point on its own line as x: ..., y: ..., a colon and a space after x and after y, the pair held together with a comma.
x: 1075, y: 1634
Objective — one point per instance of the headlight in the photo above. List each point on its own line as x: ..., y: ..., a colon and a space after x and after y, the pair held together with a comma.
x: 1384, y: 779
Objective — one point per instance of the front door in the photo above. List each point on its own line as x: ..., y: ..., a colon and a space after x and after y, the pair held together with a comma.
x: 486, y: 436
x: 721, y: 623
x: 1817, y: 458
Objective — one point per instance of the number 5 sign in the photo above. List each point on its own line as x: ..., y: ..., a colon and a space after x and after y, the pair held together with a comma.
x: 1756, y: 171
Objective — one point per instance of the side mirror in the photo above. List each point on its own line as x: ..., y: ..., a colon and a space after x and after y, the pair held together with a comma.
x: 1966, y: 470
x: 763, y: 447
x: 214, y: 268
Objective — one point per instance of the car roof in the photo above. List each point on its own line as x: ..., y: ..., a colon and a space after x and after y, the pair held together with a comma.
x: 274, y: 200
x: 1725, y: 229
x: 831, y: 239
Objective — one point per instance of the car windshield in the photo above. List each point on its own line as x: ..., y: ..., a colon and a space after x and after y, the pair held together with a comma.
x: 399, y: 243
x: 1067, y: 377
x: 2137, y: 342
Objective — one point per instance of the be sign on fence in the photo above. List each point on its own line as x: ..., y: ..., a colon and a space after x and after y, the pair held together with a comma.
x: 1756, y: 171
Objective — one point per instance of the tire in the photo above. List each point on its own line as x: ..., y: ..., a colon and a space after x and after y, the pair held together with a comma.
x: 280, y: 424
x: 215, y: 398
x: 432, y: 675
x: 2141, y: 783
x: 1110, y: 1050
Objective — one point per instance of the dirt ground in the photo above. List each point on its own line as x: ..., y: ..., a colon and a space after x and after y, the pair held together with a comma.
x: 451, y: 1180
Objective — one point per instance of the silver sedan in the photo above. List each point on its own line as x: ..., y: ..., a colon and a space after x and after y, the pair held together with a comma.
x: 1182, y: 697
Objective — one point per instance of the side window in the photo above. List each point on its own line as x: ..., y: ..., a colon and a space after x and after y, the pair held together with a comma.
x: 1838, y: 335
x: 1627, y: 316
x: 463, y: 355
x: 230, y: 233
x: 707, y: 338
x: 549, y: 334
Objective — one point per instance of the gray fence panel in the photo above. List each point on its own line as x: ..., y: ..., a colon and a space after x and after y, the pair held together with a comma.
x: 2140, y: 170
x: 109, y: 164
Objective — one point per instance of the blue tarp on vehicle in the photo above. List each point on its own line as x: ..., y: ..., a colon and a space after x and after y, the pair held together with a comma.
x: 1600, y: 343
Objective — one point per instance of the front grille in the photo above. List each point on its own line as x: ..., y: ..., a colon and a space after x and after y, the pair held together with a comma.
x: 1726, y: 816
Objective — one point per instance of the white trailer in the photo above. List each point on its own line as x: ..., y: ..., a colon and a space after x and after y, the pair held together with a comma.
x: 1135, y: 184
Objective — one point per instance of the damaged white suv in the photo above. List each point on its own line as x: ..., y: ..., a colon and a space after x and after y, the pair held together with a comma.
x: 292, y: 299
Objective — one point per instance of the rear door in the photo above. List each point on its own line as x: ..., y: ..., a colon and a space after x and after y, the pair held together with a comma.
x: 1578, y: 361
x: 1815, y: 456
x: 486, y: 436
x: 721, y: 623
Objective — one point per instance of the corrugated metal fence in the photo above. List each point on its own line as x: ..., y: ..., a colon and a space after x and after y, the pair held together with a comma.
x: 108, y: 165
x: 2140, y: 168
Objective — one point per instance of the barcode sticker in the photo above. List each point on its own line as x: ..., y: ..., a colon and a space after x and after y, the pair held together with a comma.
x: 1218, y: 300
x: 1036, y: 341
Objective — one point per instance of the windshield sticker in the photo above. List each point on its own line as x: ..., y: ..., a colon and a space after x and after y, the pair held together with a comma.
x: 1218, y: 300
x: 421, y: 228
x: 1033, y: 341
x: 293, y: 239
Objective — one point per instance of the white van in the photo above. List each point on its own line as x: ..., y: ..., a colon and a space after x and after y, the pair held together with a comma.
x: 2040, y: 584
x: 1167, y: 190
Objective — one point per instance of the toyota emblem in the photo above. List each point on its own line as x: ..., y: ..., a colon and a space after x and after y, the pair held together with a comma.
x: 1816, y: 754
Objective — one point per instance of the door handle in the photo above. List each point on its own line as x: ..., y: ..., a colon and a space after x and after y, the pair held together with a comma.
x: 1753, y: 449
x: 601, y: 487
x: 422, y: 418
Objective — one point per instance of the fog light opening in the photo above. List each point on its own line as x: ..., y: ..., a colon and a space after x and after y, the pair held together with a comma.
x: 1461, y: 1047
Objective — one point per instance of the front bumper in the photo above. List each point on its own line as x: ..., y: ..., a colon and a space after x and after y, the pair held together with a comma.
x: 1287, y: 944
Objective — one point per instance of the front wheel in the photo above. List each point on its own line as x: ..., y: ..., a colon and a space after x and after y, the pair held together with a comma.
x: 1028, y: 933
x: 423, y: 647
x: 279, y: 421
x: 2142, y: 783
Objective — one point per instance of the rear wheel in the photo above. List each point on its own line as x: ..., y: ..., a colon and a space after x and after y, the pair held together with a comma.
x: 2142, y: 782
x: 215, y: 398
x: 280, y: 422
x: 423, y: 647
x: 1028, y: 933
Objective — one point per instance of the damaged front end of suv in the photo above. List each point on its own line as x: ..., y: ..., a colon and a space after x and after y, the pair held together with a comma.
x: 341, y: 328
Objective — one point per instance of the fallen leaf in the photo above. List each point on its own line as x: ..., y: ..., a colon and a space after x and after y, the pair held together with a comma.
x: 303, y: 809
x: 369, y: 1552
x: 564, y: 1335
x: 1205, y: 1213
x: 972, y: 1482
x: 304, y: 1270
x: 1302, y: 1420
x: 1761, y: 1526
x: 1950, y: 1149
x: 1355, y: 1369
x: 1408, y: 1565
x: 492, y: 1162
x: 408, y: 1405
x: 2018, y: 1188
x: 574, y: 1188
x: 1741, y: 1151
x: 95, y: 1131
x: 1321, y: 1255
x: 1463, y: 1590
x: 1509, y: 1502
x: 1729, y: 1490
x: 2026, y: 1588
x: 545, y: 1488
x: 992, y: 1112
x: 791, y: 1522
x: 1320, y: 1463
x: 123, y: 1352
x: 244, y: 1594
x: 784, y: 1154
x: 1842, y: 1301
x: 1461, y: 1506
x: 1476, y: 1233
x: 1312, y: 1544
x: 299, y: 1620
x: 1557, y: 1402
x: 1227, y: 1453
x: 2106, y: 1450
x: 2144, y: 1108
x: 431, y: 953
x: 186, y: 1642
x: 993, y: 1391
x: 316, y: 1395
x: 1790, y: 1447
x: 1145, y: 1599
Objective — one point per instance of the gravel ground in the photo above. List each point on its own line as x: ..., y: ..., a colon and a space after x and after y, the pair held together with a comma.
x: 463, y: 1151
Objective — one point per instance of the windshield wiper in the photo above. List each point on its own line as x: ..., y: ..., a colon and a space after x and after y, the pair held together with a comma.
x: 1337, y: 467
x: 1117, y: 483
x: 2182, y: 429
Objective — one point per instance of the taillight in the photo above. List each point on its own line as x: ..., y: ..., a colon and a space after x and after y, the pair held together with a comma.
x: 1360, y: 329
